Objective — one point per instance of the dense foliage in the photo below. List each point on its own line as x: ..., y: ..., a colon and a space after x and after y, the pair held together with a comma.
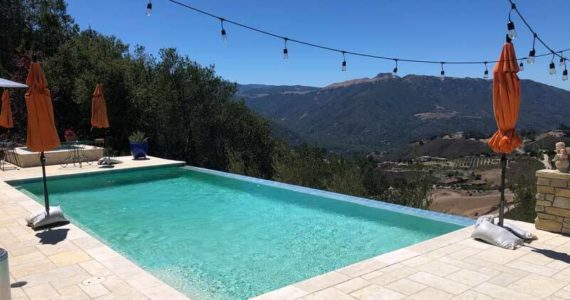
x: 186, y: 110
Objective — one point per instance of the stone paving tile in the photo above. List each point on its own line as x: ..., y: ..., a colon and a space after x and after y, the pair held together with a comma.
x: 73, y: 292
x: 18, y: 294
x: 95, y: 268
x: 95, y: 290
x: 406, y: 286
x: 468, y: 277
x: 506, y: 279
x: 532, y: 268
x: 396, y: 256
x: 362, y: 267
x: 440, y: 283
x: 539, y: 286
x: 376, y: 292
x: 392, y: 276
x: 327, y: 294
x: 500, y: 292
x: 352, y: 285
x: 69, y: 258
x: 431, y: 293
x: 438, y: 268
x: 41, y: 291
x: 472, y: 295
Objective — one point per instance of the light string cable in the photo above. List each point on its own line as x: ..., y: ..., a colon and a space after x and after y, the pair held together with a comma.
x: 511, y: 28
x: 362, y: 54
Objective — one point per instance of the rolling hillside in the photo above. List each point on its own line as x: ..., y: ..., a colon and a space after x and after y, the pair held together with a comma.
x: 385, y: 112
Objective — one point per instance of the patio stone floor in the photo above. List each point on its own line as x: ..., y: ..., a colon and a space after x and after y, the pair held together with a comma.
x: 68, y: 263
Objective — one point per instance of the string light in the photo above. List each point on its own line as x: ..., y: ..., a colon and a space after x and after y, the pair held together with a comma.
x: 442, y: 73
x: 510, y: 35
x: 562, y: 59
x: 395, y: 71
x: 552, y: 67
x: 510, y: 25
x: 148, y: 8
x: 532, y: 53
x: 224, y: 35
x: 285, y: 50
x: 486, y: 73
x: 565, y: 72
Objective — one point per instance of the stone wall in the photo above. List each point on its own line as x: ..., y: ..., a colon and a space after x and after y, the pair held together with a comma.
x: 553, y: 201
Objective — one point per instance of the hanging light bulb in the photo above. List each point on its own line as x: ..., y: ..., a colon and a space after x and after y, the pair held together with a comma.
x: 510, y: 25
x: 552, y: 69
x: 442, y: 73
x: 343, y: 68
x: 395, y: 71
x: 148, y: 8
x: 565, y: 74
x: 285, y: 51
x: 486, y: 73
x: 562, y: 60
x: 512, y: 31
x: 224, y: 35
x: 532, y: 53
x: 521, y: 66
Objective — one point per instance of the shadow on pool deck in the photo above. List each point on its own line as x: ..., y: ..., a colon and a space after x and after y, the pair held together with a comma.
x: 560, y: 256
x: 52, y: 237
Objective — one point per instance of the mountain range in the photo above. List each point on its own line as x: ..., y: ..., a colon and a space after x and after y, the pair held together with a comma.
x: 386, y: 112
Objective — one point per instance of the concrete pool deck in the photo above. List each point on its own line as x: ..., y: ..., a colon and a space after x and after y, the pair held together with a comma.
x: 68, y: 263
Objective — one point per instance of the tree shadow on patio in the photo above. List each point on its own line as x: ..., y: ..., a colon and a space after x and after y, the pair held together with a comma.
x: 560, y: 256
x: 52, y: 237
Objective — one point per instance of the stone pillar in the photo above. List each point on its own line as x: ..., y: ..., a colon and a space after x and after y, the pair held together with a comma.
x: 553, y: 201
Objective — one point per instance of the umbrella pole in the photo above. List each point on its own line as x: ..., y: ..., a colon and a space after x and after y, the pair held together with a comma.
x: 502, y: 202
x: 46, y: 194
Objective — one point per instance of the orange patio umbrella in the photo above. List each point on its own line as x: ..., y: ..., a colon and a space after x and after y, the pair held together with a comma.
x: 506, y: 103
x: 6, y: 120
x: 99, y: 117
x: 42, y: 134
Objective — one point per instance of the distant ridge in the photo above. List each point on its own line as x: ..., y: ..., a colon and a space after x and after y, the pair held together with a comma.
x: 385, y: 112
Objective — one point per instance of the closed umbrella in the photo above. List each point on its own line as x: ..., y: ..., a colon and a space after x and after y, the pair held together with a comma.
x: 6, y: 120
x: 42, y: 135
x: 99, y: 117
x: 506, y: 103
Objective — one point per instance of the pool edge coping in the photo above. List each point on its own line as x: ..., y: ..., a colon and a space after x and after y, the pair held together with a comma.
x: 99, y: 171
x: 417, y: 212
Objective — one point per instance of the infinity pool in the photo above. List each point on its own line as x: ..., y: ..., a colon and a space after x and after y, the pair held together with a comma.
x: 213, y: 235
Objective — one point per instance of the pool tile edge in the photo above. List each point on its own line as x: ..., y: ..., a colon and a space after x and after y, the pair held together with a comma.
x: 438, y: 216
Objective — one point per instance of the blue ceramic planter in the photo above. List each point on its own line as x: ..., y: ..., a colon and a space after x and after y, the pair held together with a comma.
x: 139, y: 150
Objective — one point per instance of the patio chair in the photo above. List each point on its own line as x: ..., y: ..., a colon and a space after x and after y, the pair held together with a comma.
x: 8, y: 154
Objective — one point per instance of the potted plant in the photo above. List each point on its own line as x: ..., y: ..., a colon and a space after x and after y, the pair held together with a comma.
x: 69, y: 135
x: 139, y: 145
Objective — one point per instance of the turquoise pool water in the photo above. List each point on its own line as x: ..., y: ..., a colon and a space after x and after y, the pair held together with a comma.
x: 215, y: 237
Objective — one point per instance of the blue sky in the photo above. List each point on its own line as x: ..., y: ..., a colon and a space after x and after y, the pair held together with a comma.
x: 422, y: 29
